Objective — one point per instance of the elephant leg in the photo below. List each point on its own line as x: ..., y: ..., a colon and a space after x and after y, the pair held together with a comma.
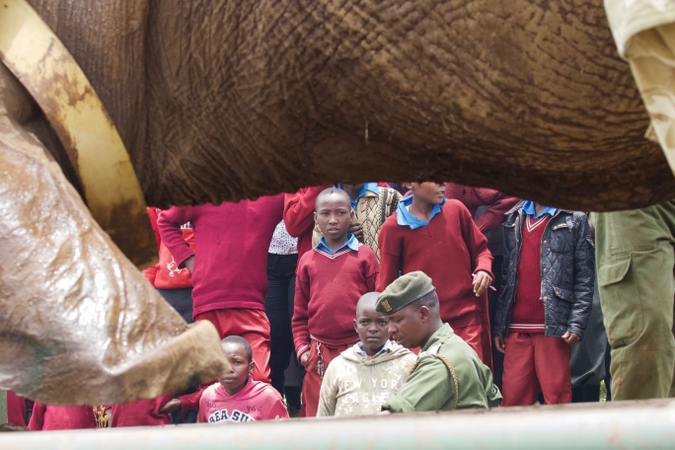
x: 78, y: 321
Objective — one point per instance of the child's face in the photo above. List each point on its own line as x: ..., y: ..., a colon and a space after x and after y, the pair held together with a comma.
x: 333, y: 215
x: 372, y: 328
x: 428, y: 192
x: 240, y: 368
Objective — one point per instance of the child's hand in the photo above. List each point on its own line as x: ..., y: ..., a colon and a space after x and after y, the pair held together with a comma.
x: 303, y: 359
x: 170, y: 406
x: 571, y: 338
x: 190, y: 263
x: 356, y: 229
x: 499, y: 343
x: 481, y: 281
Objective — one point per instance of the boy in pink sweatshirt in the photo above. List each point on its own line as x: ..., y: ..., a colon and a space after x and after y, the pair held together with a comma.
x: 237, y: 397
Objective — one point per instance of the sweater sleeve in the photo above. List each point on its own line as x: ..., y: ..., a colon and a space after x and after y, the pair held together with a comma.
x: 329, y: 391
x: 169, y: 223
x: 476, y: 243
x: 278, y: 409
x: 390, y: 253
x: 427, y: 389
x: 372, y: 269
x: 299, y: 209
x: 189, y: 402
x: 495, y: 214
x: 299, y: 323
x: 584, y: 278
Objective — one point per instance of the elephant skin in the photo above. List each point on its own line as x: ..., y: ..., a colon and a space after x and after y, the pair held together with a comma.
x: 79, y: 324
x: 236, y: 99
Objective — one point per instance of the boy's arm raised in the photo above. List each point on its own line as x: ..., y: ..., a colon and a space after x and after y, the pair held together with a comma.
x: 299, y: 210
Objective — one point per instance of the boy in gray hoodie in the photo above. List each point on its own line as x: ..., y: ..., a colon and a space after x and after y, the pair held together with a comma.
x: 364, y: 376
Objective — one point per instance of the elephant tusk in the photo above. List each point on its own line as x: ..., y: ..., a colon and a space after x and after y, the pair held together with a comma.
x: 35, y: 55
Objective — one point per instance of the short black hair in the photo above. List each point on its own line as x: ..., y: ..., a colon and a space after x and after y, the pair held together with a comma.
x: 240, y: 341
x: 332, y: 190
x: 429, y: 300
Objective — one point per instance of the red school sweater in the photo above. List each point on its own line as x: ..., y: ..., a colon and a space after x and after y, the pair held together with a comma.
x: 231, y: 242
x: 475, y: 197
x: 326, y: 291
x: 51, y: 417
x: 140, y: 413
x: 449, y: 250
x: 527, y: 315
x: 299, y: 216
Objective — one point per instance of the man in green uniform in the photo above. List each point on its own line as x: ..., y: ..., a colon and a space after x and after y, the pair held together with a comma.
x: 448, y: 374
x: 635, y: 262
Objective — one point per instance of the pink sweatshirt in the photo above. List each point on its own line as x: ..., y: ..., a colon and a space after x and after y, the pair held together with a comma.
x: 231, y: 242
x: 257, y: 401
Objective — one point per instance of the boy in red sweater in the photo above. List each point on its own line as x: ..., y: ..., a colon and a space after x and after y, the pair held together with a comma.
x: 236, y: 397
x: 439, y: 237
x: 229, y: 266
x: 547, y: 292
x: 331, y: 278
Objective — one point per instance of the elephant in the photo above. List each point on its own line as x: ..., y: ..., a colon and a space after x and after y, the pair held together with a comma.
x: 228, y: 100
x: 528, y: 97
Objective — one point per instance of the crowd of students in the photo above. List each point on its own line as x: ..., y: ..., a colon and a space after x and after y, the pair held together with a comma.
x: 373, y: 298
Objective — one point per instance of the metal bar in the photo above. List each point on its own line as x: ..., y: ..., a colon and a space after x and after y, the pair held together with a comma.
x: 3, y: 408
x: 635, y: 424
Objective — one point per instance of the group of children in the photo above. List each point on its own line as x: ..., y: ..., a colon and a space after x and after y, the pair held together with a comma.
x: 401, y: 269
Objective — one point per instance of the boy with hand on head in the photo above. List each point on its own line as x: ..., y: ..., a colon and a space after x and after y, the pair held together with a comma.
x: 237, y: 397
x: 439, y: 237
x: 330, y: 279
x: 545, y: 302
x: 448, y: 374
x: 364, y: 376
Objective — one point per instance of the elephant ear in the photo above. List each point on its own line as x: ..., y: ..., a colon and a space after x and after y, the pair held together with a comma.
x: 79, y: 323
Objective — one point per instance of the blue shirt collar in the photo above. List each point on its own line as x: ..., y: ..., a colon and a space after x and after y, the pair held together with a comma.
x: 528, y: 208
x: 405, y: 217
x: 385, y: 348
x: 352, y: 244
x: 372, y: 187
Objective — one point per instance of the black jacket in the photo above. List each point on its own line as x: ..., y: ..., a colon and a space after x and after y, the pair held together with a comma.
x: 567, y: 273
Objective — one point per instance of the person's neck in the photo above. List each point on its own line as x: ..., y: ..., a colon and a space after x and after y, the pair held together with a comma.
x: 538, y: 209
x: 353, y: 190
x: 437, y: 325
x: 421, y: 209
x: 335, y: 244
x: 236, y: 390
x: 371, y: 352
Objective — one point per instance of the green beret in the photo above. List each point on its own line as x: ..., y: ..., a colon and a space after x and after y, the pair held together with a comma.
x: 403, y: 291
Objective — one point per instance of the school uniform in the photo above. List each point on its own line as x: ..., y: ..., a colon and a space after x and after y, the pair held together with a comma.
x: 329, y: 284
x: 140, y: 413
x: 449, y: 248
x: 256, y: 401
x: 230, y: 266
x: 52, y: 417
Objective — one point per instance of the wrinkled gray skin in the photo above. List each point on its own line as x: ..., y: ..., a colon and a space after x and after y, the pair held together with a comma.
x: 223, y: 100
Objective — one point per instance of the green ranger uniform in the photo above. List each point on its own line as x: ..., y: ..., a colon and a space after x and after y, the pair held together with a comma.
x: 635, y: 260
x: 434, y: 386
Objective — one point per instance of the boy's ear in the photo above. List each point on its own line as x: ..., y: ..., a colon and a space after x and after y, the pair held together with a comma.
x: 351, y: 214
x: 252, y: 367
x: 355, y: 326
x: 408, y: 185
x: 315, y: 217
